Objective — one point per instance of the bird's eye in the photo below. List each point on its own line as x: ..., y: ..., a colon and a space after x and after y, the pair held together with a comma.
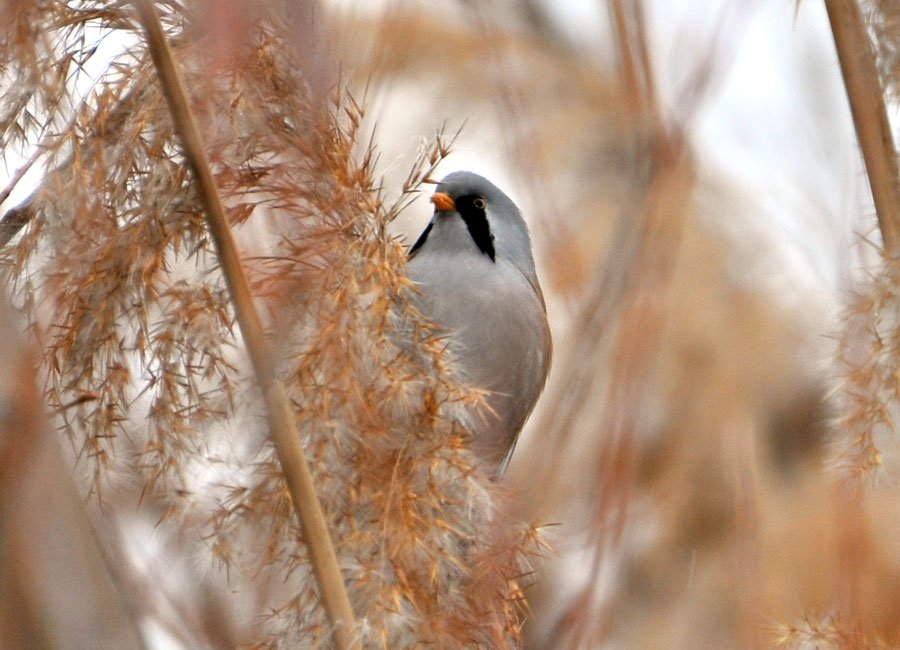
x: 479, y: 204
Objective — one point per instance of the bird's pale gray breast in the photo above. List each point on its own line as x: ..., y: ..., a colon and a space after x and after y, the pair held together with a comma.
x: 497, y: 333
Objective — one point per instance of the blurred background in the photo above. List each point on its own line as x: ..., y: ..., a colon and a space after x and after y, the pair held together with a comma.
x: 701, y: 219
x: 700, y: 216
x: 702, y: 225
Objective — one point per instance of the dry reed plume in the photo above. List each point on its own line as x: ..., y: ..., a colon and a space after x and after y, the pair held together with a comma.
x: 125, y: 301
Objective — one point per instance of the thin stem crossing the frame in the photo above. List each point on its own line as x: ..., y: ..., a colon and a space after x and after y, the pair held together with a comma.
x: 869, y: 116
x: 282, y: 427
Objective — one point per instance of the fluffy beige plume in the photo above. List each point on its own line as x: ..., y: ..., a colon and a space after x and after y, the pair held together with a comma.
x: 120, y: 283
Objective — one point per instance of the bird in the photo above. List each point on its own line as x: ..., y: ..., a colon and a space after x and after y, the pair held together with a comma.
x: 474, y: 276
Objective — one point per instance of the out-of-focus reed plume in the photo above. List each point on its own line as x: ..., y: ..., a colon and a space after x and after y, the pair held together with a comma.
x: 58, y: 588
x: 864, y: 457
x: 869, y: 349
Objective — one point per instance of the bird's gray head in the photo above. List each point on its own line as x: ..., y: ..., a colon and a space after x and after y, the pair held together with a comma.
x: 494, y: 224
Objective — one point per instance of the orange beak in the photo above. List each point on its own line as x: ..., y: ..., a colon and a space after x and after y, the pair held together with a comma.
x: 443, y: 201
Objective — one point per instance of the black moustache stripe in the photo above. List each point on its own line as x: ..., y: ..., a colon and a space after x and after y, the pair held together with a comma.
x: 477, y: 223
x: 421, y: 239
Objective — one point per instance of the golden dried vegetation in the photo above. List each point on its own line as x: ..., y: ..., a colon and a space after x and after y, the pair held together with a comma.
x: 717, y: 471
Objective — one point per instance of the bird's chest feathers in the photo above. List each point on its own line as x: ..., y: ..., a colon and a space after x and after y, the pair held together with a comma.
x: 491, y: 312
